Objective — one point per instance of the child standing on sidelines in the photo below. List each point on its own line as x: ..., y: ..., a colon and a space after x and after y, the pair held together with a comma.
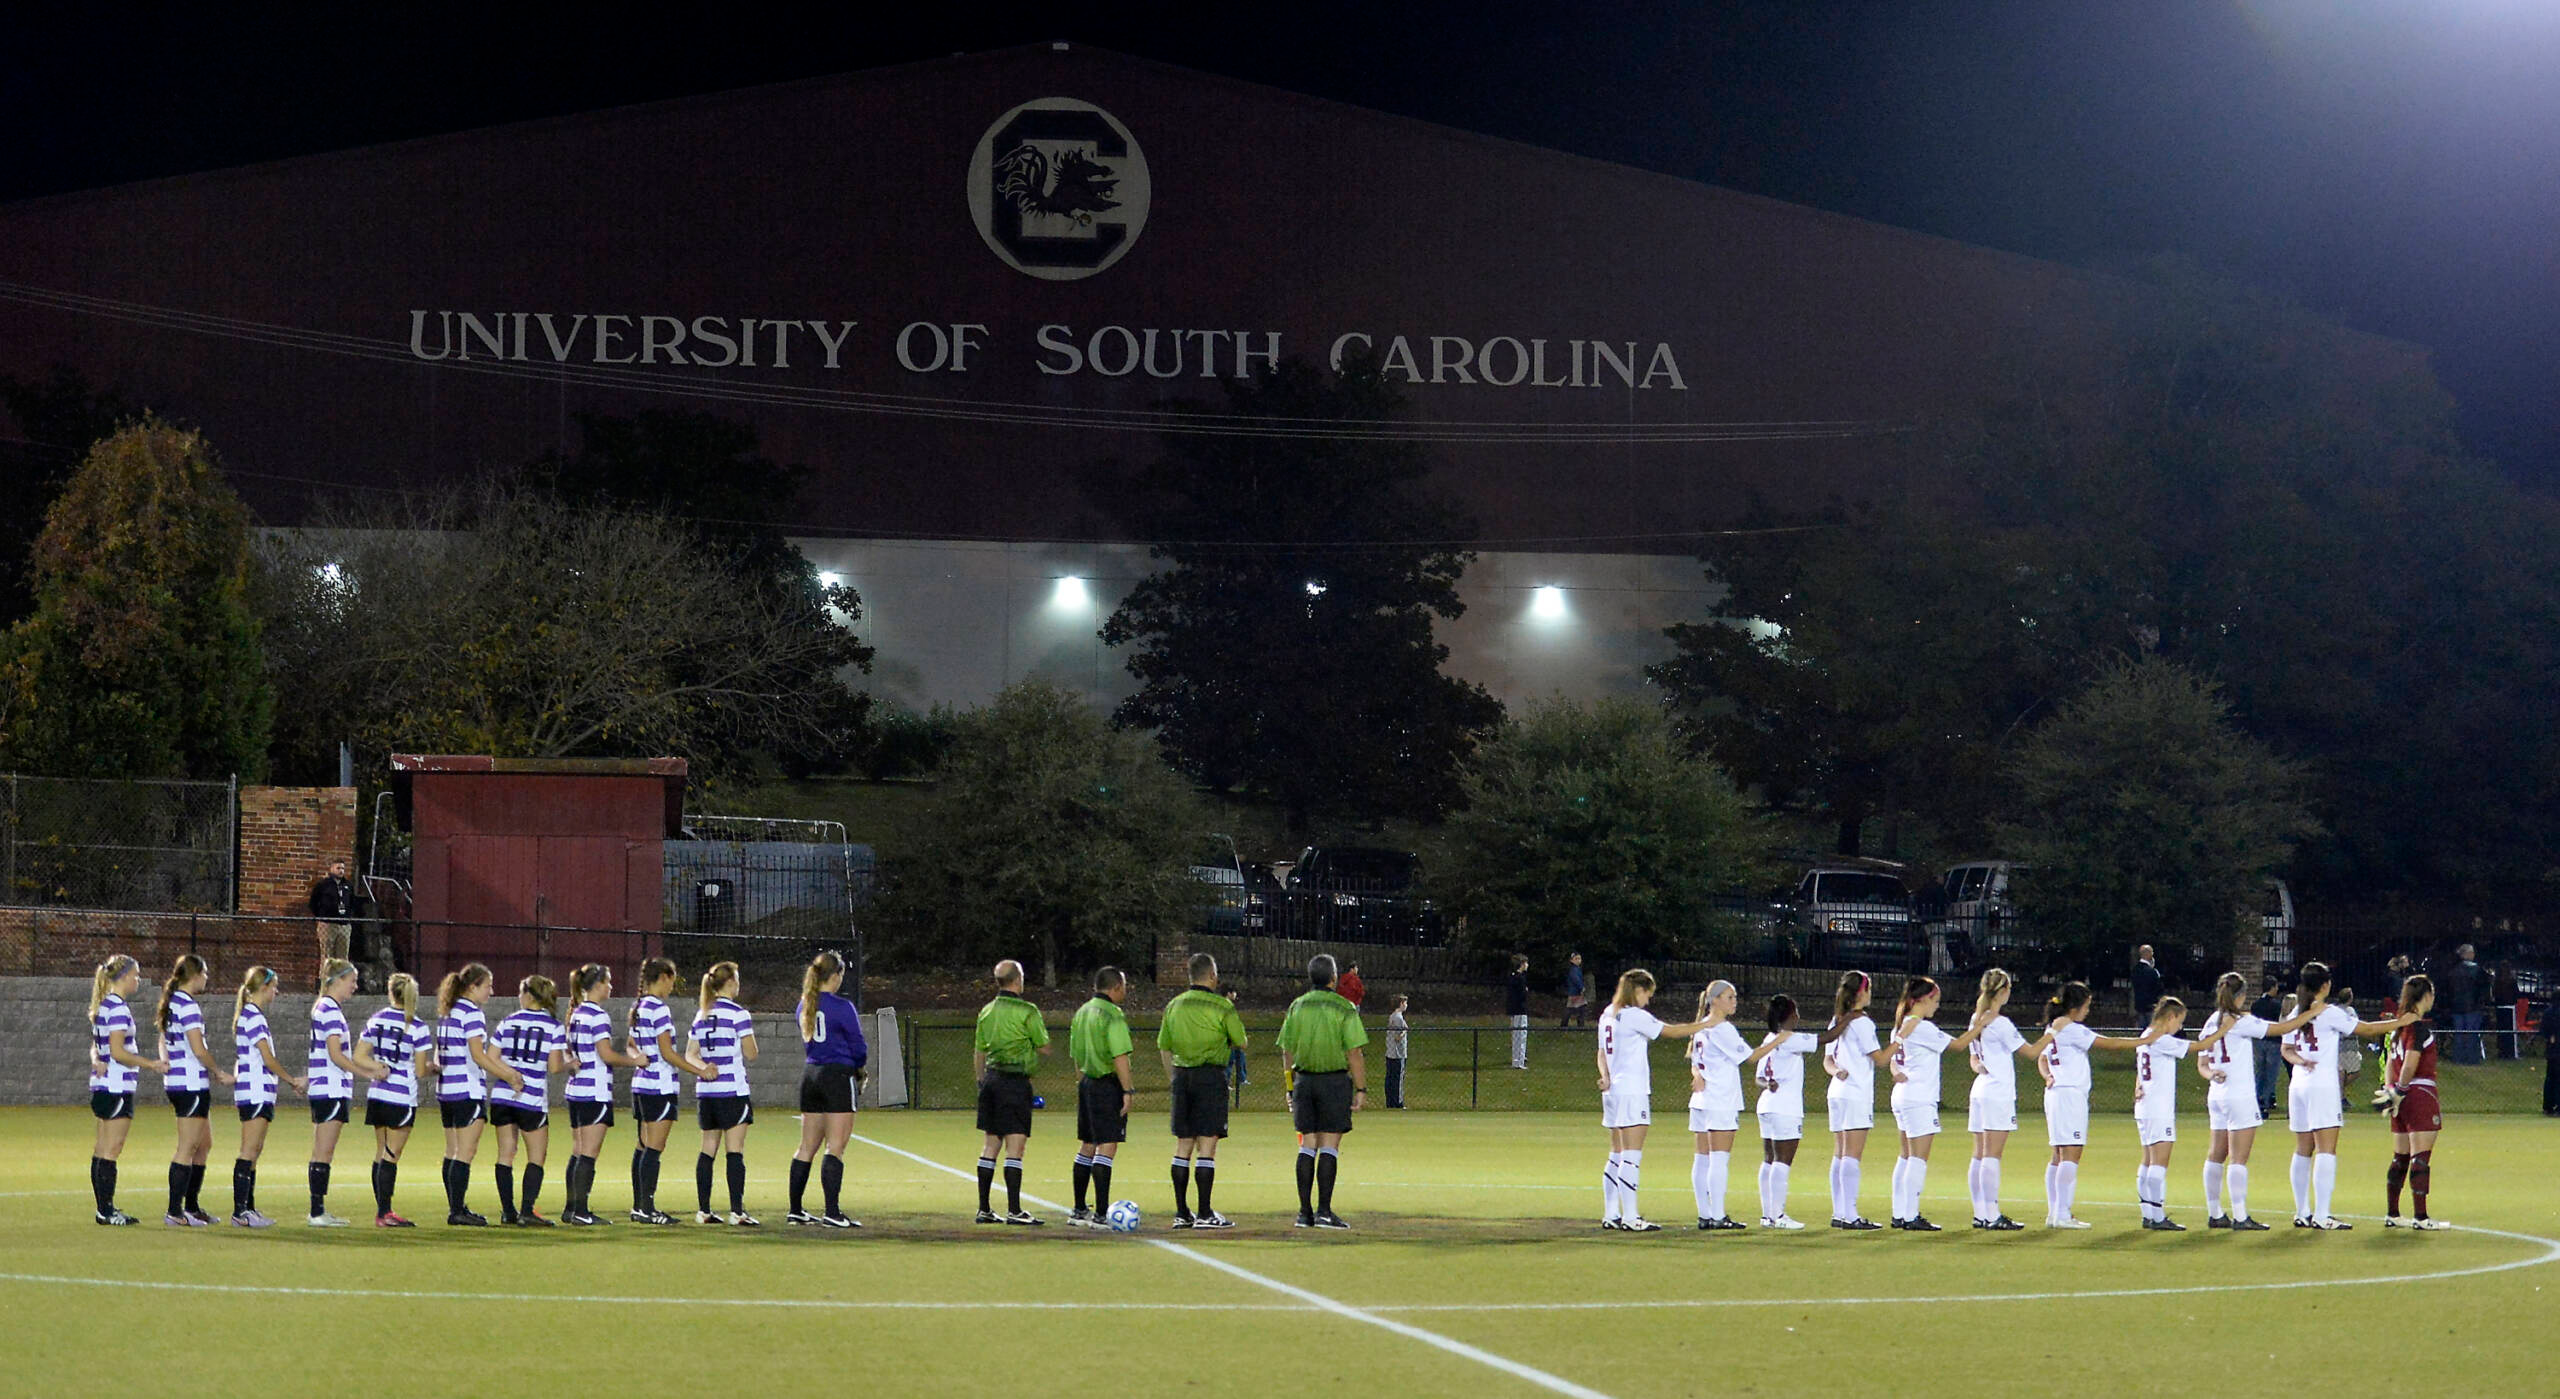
x: 115, y: 1074
x: 404, y: 1044
x: 1397, y: 1046
x: 256, y: 1076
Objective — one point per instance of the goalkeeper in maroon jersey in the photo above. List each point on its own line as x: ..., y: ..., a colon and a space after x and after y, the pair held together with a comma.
x: 2408, y: 1094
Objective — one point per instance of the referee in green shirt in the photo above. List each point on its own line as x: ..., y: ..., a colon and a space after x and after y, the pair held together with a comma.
x: 1200, y: 1029
x: 1098, y: 1042
x: 1320, y: 1040
x: 1011, y: 1041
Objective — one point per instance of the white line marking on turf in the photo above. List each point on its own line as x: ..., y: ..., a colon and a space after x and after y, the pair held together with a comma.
x: 792, y: 1303
x: 1316, y: 1300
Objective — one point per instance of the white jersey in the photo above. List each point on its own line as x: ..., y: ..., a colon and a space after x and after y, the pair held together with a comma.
x: 2155, y: 1077
x: 1716, y: 1053
x: 1995, y: 1056
x: 2068, y: 1055
x: 1917, y: 1054
x: 252, y: 1082
x: 106, y: 1075
x: 650, y: 1019
x: 327, y: 1079
x: 397, y: 1038
x: 1781, y: 1076
x: 2320, y: 1042
x: 1854, y: 1051
x: 186, y: 1071
x: 2236, y: 1062
x: 1626, y: 1042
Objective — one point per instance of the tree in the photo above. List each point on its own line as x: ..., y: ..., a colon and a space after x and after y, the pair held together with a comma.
x: 1050, y: 830
x: 512, y: 623
x: 2145, y: 814
x: 1286, y: 648
x: 1592, y: 827
x: 60, y: 417
x: 142, y: 655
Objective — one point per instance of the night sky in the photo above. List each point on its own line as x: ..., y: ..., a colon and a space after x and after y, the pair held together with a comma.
x: 2392, y: 163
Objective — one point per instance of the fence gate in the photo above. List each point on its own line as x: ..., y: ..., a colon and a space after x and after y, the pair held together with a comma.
x: 769, y: 877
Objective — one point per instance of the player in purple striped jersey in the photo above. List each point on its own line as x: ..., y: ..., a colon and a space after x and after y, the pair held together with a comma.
x: 652, y: 1037
x: 533, y: 1044
x: 115, y: 1071
x: 257, y: 1078
x: 338, y: 1058
x: 403, y: 1043
x: 464, y: 1062
x: 724, y: 1038
x: 592, y: 1060
x: 190, y: 1078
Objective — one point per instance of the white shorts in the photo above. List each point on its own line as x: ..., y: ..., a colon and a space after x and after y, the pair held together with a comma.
x: 1991, y: 1112
x: 2315, y: 1105
x: 1781, y: 1127
x: 1626, y: 1108
x: 1715, y: 1119
x: 2155, y: 1128
x: 2066, y: 1116
x: 1851, y: 1111
x: 2232, y: 1114
x: 1917, y: 1119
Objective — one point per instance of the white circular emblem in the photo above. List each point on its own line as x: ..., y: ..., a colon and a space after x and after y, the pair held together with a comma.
x: 1058, y: 188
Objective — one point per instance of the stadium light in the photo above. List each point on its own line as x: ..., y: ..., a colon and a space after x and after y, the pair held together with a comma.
x: 1069, y: 595
x: 830, y: 579
x: 1315, y: 588
x: 1546, y: 604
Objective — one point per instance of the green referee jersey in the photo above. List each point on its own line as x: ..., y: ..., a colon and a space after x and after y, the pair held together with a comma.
x: 1098, y: 1035
x: 1320, y: 1032
x: 1010, y: 1033
x: 1200, y: 1026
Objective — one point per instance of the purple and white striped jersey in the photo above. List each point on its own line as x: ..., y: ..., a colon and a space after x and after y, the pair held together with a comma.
x: 252, y: 1081
x: 327, y: 1079
x: 186, y: 1071
x: 527, y: 1040
x: 397, y: 1038
x: 718, y: 1036
x: 111, y: 1016
x: 457, y: 1073
x: 649, y: 1020
x: 590, y: 1078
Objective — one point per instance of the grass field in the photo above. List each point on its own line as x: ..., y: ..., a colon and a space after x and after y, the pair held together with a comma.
x: 1475, y: 1270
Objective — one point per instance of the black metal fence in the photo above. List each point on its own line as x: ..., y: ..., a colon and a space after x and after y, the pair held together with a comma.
x: 124, y: 844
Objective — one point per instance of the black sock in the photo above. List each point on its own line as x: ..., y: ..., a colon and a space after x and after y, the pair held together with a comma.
x: 532, y: 1185
x: 1306, y: 1180
x: 462, y: 1185
x: 657, y: 1159
x: 195, y: 1188
x: 1327, y: 1165
x: 1102, y: 1185
x: 452, y: 1196
x: 1083, y: 1179
x: 506, y: 1188
x: 386, y: 1179
x: 737, y: 1182
x: 1205, y: 1174
x: 831, y: 1178
x: 244, y: 1186
x: 702, y: 1182
x: 1182, y: 1185
x: 582, y: 1183
x: 319, y: 1187
x: 986, y: 1182
x: 1013, y: 1185
x: 639, y: 1178
x: 101, y: 1182
x: 799, y: 1185
x: 177, y: 1188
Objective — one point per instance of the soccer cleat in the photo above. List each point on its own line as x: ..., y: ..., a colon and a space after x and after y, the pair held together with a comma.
x: 325, y: 1220
x: 715, y: 1217
x: 2428, y: 1226
x: 1182, y: 1221
x: 799, y: 1217
x: 2391, y: 1221
x: 2248, y: 1226
x: 2303, y: 1221
x: 2069, y: 1223
x: 1212, y: 1220
x: 1785, y: 1222
x: 2164, y: 1225
x: 507, y: 1217
x: 838, y: 1221
x: 580, y: 1219
x: 177, y: 1221
x: 465, y: 1219
x: 2005, y: 1225
x: 1612, y: 1225
x: 527, y: 1219
x: 1327, y: 1219
x: 1024, y: 1217
x: 2335, y: 1226
x: 1919, y: 1224
x: 2217, y: 1221
x: 1307, y: 1219
x: 1640, y: 1226
x: 743, y: 1220
x: 1858, y: 1225
x: 1079, y: 1217
x: 641, y: 1216
x: 989, y: 1217
x: 117, y: 1219
x: 389, y: 1220
x: 658, y: 1217
x: 203, y: 1220
x: 251, y: 1219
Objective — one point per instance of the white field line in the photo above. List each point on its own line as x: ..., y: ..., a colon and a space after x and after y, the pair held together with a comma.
x: 574, y: 1299
x: 1315, y: 1300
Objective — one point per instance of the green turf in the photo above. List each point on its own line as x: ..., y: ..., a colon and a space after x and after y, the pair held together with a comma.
x: 1459, y: 1214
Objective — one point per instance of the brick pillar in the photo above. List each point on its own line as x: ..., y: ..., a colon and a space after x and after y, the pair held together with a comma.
x: 288, y: 836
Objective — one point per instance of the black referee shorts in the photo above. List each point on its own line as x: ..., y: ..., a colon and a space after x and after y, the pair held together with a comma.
x: 826, y: 1088
x: 1004, y: 1104
x: 1098, y: 1115
x: 1200, y: 1102
x: 1322, y: 1102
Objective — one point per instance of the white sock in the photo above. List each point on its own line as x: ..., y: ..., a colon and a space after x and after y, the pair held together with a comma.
x: 1973, y: 1185
x: 1835, y: 1189
x: 2155, y: 1191
x: 1768, y: 1197
x: 1630, y: 1175
x: 2236, y: 1176
x: 2052, y: 1191
x: 1719, y: 1171
x: 1918, y: 1172
x: 2066, y: 1180
x: 1851, y: 1170
x: 1698, y: 1173
x: 2213, y: 1189
x: 2324, y: 1179
x: 2142, y: 1191
x: 2301, y: 1187
x: 1609, y: 1188
x: 1990, y: 1187
x: 1779, y: 1176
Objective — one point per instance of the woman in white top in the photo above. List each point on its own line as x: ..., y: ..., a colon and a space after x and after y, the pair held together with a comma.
x: 1851, y: 1061
x: 1780, y: 1109
x: 1991, y: 1106
x: 2230, y: 1071
x: 1918, y: 1045
x: 1717, y: 1056
x: 2315, y: 1099
x: 2062, y: 1057
x: 1626, y: 1034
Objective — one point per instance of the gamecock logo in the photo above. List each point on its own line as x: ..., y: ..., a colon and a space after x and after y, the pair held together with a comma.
x: 1058, y: 188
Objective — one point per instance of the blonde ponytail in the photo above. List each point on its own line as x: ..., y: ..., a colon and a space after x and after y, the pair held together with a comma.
x: 543, y: 992
x: 822, y: 966
x: 721, y: 977
x: 402, y: 989
x: 189, y: 965
x: 1994, y: 982
x: 457, y: 982
x: 251, y: 984
x: 104, y: 980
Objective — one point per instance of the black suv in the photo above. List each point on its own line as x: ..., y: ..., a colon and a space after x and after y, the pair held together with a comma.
x: 1357, y: 893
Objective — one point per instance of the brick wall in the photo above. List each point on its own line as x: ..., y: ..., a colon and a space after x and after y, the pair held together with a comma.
x: 288, y: 836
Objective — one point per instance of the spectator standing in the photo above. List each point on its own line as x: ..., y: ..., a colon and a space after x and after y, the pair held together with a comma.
x: 2146, y: 984
x: 2506, y: 1012
x: 1236, y: 1065
x: 1352, y: 988
x: 333, y: 908
x: 1577, y: 994
x: 2268, y: 1050
x: 2466, y: 1000
x: 1395, y: 1048
x: 1515, y: 1004
x: 2551, y: 1056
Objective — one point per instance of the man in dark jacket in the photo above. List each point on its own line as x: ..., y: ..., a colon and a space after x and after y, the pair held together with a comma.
x: 2270, y: 1054
x: 2146, y: 985
x: 2466, y: 999
x: 1515, y: 1004
x: 333, y: 905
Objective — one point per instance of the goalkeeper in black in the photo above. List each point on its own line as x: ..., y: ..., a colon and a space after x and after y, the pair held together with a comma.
x: 1320, y: 1041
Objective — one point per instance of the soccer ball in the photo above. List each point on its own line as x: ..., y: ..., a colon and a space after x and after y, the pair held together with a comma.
x: 1122, y: 1217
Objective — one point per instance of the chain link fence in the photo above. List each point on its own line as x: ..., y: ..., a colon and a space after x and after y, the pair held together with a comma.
x: 122, y: 844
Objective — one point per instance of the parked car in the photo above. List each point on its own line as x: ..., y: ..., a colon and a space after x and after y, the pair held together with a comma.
x: 1856, y: 918
x: 1359, y: 893
x: 1226, y: 907
x: 1970, y: 919
x: 1263, y: 890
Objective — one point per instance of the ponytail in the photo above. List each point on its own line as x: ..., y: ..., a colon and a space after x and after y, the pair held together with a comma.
x: 822, y: 966
x: 1630, y: 982
x: 2168, y: 1006
x: 332, y: 969
x: 1782, y: 1008
x: 721, y: 977
x: 402, y: 988
x: 1845, y: 997
x: 2315, y: 979
x: 457, y: 982
x: 2231, y: 995
x: 1914, y: 991
x: 1994, y: 982
x: 543, y: 992
x: 2072, y: 996
x: 250, y: 985
x: 104, y: 980
x: 584, y: 980
x: 187, y: 966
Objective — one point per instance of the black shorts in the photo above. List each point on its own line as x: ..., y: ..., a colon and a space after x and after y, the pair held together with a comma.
x: 256, y: 1112
x: 590, y: 1114
x: 522, y: 1119
x: 1098, y: 1115
x: 1004, y: 1104
x: 191, y: 1102
x: 654, y: 1107
x: 721, y: 1114
x: 110, y: 1107
x: 826, y: 1088
x: 1200, y: 1102
x: 1322, y: 1102
x: 392, y: 1115
x: 331, y: 1110
x: 461, y: 1112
